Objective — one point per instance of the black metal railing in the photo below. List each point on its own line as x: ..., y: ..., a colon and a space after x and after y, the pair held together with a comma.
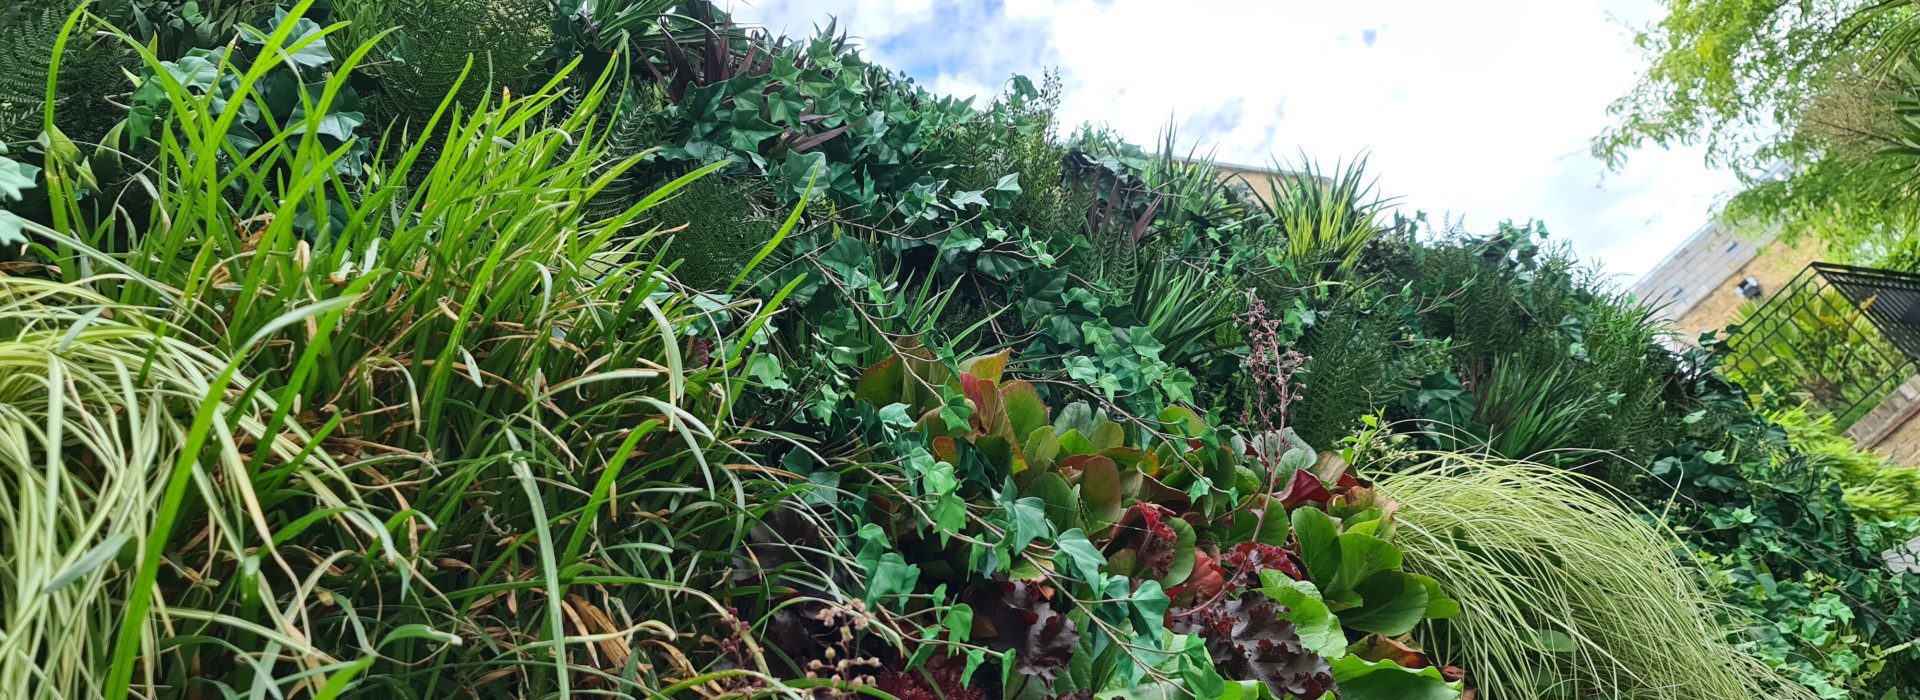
x: 1844, y: 337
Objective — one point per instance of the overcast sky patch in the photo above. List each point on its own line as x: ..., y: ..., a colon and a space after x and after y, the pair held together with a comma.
x: 1469, y: 111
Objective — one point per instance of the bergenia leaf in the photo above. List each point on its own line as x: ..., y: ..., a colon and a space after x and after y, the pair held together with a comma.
x: 1304, y: 488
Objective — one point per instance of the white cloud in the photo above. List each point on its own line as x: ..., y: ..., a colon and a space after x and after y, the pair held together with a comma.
x: 1479, y: 110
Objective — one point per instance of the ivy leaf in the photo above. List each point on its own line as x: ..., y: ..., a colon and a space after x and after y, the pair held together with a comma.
x: 895, y: 414
x: 969, y: 198
x: 1082, y: 559
x: 11, y: 229
x: 15, y: 179
x: 1030, y: 522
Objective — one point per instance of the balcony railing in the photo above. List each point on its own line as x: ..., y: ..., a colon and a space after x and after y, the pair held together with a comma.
x: 1843, y: 337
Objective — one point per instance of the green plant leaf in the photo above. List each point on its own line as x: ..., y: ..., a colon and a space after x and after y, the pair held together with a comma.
x: 1319, y: 545
x: 1362, y: 556
x: 1392, y: 603
x: 1183, y: 542
x: 16, y: 178
x: 1317, y: 626
x: 1026, y: 413
x: 1360, y: 679
x: 1100, y: 492
x: 1062, y: 506
x: 881, y: 384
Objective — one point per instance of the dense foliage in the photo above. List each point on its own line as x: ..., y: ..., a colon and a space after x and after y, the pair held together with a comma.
x: 347, y: 351
x: 1810, y: 103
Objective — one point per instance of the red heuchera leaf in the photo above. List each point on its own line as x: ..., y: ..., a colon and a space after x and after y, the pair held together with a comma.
x: 940, y: 680
x: 1207, y: 580
x: 1247, y: 640
x: 1303, y: 489
x: 1144, y: 530
x: 1017, y: 615
x: 1246, y: 560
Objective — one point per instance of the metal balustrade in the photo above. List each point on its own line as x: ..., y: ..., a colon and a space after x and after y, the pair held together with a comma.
x: 1845, y: 337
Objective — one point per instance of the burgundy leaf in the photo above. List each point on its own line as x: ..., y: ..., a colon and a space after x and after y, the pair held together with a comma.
x: 1304, y: 488
x: 1144, y: 530
x: 1208, y: 579
x: 1019, y: 615
x: 1246, y: 560
x: 1248, y: 640
x: 940, y: 680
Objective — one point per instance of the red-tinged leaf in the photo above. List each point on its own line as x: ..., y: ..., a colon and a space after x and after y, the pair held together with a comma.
x: 1330, y: 467
x: 1303, y: 489
x: 1244, y: 562
x: 1379, y: 648
x: 1135, y: 459
x: 989, y: 415
x: 1025, y: 411
x: 1139, y: 486
x: 1074, y: 465
x: 988, y: 367
x: 880, y: 385
x: 1207, y: 581
x: 1144, y: 531
x: 1108, y: 435
x: 922, y: 374
x: 945, y: 450
x: 1100, y: 495
x: 1040, y: 448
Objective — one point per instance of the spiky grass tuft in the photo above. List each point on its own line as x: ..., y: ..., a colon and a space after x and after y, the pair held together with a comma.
x: 1566, y: 591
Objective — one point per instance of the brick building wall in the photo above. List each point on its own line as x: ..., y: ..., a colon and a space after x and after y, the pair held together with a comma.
x: 1773, y: 266
x: 1695, y: 290
x: 1695, y: 286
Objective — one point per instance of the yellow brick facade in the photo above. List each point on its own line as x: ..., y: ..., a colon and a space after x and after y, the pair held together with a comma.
x: 1773, y: 265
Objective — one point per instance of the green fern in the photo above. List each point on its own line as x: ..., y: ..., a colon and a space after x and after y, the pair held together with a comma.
x: 634, y: 127
x: 90, y: 73
x: 431, y: 41
x: 722, y: 231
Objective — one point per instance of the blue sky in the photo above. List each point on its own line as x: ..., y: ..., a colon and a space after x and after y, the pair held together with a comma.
x: 1478, y: 111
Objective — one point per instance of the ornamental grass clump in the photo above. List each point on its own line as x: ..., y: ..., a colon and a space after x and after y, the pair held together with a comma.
x: 425, y: 428
x: 106, y: 413
x: 1565, y: 590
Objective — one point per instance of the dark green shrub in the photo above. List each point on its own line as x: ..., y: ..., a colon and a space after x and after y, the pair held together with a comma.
x: 430, y: 45
x: 90, y: 73
x: 721, y: 230
x: 1360, y: 360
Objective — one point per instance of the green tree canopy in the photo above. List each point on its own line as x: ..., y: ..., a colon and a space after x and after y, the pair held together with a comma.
x: 1801, y: 99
